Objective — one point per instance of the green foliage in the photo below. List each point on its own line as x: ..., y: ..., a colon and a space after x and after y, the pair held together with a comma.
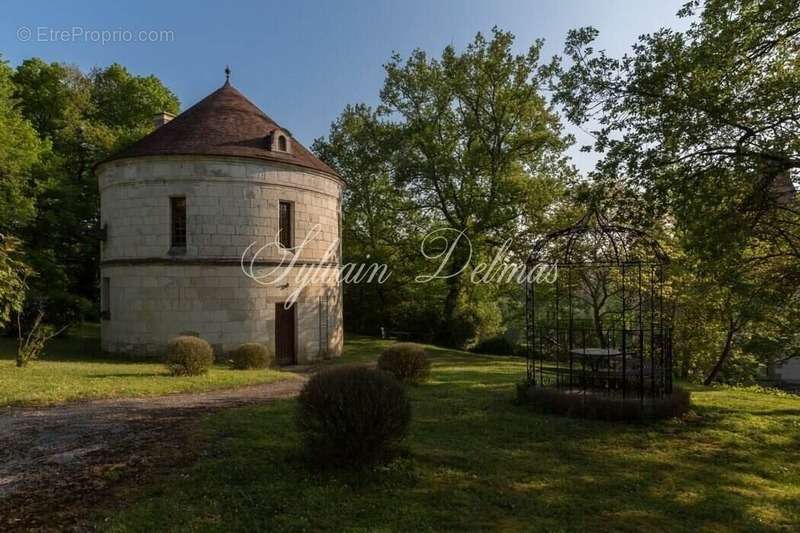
x: 380, y: 225
x: 21, y: 152
x: 701, y: 128
x: 464, y: 144
x: 81, y: 118
x: 406, y: 361
x: 737, y: 311
x: 54, y: 97
x: 121, y: 100
x: 352, y: 416
x: 31, y: 343
x: 188, y: 356
x: 251, y: 355
x: 742, y: 368
x: 478, y: 313
x: 13, y: 275
x: 498, y: 345
x: 30, y: 346
x: 703, y: 119
x: 478, y: 148
x: 421, y: 314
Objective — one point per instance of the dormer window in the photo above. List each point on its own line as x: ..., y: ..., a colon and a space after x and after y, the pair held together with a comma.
x: 278, y: 141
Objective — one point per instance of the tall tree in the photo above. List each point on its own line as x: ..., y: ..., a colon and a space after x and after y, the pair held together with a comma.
x: 704, y: 124
x: 54, y: 97
x: 478, y: 150
x: 705, y: 120
x: 13, y: 277
x: 21, y: 151
x: 380, y: 225
x: 84, y: 118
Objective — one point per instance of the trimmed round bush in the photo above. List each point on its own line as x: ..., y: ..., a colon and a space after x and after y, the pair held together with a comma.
x: 406, y: 361
x: 250, y: 355
x: 352, y: 415
x: 188, y: 356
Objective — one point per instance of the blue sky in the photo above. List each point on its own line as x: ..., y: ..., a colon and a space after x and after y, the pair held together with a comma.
x: 303, y: 61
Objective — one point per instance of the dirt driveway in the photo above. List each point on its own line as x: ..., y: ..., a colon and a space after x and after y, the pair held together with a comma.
x: 54, y: 461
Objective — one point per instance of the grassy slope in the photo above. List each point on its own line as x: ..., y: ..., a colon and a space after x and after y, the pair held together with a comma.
x: 478, y: 462
x: 73, y: 369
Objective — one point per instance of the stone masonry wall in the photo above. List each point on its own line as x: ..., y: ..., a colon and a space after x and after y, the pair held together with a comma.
x: 150, y: 304
x: 231, y: 203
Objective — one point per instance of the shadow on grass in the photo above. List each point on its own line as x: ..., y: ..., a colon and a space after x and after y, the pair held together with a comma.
x: 480, y: 462
x: 779, y: 412
x: 82, y: 344
x: 130, y: 375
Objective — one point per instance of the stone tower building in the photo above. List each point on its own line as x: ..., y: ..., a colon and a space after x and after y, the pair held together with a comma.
x: 213, y: 225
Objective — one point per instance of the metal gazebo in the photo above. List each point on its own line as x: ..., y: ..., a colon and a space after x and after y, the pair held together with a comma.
x: 598, y: 326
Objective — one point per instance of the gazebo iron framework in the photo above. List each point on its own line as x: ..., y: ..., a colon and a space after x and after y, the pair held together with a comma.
x: 600, y: 327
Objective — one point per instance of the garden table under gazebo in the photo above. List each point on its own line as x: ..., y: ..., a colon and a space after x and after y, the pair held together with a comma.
x: 595, y: 356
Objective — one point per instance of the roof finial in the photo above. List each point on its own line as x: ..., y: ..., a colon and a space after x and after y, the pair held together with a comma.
x: 227, y: 74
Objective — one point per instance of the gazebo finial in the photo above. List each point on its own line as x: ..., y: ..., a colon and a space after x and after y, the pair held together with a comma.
x: 227, y: 74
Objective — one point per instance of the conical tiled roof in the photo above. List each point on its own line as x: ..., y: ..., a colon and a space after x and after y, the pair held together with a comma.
x: 223, y: 123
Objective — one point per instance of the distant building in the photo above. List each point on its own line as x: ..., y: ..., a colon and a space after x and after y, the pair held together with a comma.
x: 181, y: 206
x: 787, y: 371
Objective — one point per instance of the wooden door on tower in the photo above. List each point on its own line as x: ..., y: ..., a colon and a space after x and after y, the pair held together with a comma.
x: 285, y: 353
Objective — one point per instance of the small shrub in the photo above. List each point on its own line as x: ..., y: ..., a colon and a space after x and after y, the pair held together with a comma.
x: 251, y: 355
x: 406, y: 361
x: 352, y: 415
x: 30, y: 345
x: 498, y: 345
x: 559, y: 402
x: 188, y: 356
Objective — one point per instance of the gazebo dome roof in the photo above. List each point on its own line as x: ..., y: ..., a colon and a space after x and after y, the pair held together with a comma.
x: 594, y: 240
x: 224, y: 123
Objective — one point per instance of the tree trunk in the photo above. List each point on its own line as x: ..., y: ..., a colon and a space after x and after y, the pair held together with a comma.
x: 451, y: 310
x: 598, y: 326
x: 726, y: 353
x: 451, y: 300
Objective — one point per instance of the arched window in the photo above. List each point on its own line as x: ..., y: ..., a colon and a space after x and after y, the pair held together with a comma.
x: 282, y: 143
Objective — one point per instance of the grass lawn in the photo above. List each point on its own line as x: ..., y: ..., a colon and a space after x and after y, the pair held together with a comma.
x: 73, y: 368
x: 476, y: 461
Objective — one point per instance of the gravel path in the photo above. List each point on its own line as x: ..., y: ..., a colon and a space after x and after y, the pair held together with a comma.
x: 62, y: 449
